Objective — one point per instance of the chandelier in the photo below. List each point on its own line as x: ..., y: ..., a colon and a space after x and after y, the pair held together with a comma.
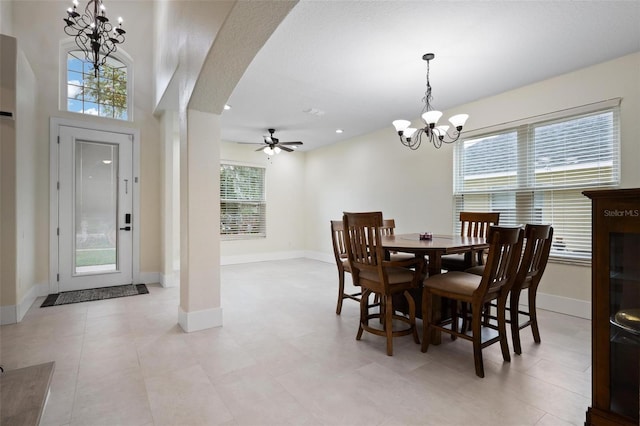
x: 437, y: 135
x: 93, y: 32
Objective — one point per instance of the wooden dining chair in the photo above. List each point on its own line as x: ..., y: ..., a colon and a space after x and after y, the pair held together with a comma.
x: 342, y: 262
x: 499, y: 274
x: 380, y: 277
x: 472, y: 224
x: 534, y: 262
x: 537, y: 246
x: 388, y: 228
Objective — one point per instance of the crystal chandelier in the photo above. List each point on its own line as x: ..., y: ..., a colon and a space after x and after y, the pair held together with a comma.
x: 93, y: 32
x: 437, y: 135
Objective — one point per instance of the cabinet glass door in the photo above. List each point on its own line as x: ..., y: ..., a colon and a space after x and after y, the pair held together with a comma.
x: 624, y: 308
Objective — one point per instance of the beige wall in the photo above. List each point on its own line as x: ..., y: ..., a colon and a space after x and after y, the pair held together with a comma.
x: 6, y: 21
x: 285, y: 194
x: 29, y: 248
x: 8, y: 210
x: 41, y: 49
x: 375, y: 172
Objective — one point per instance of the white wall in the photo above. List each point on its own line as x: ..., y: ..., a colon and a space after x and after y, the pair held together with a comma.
x: 183, y: 35
x: 285, y: 194
x: 29, y: 248
x: 375, y: 172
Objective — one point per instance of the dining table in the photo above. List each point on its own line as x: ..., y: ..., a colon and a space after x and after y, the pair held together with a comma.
x: 432, y: 248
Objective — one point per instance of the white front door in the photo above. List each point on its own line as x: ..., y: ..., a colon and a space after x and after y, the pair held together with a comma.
x: 95, y: 209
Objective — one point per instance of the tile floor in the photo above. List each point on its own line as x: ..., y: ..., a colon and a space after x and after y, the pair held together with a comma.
x: 283, y: 357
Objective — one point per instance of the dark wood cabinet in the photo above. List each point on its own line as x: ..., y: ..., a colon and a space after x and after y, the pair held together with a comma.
x: 615, y: 308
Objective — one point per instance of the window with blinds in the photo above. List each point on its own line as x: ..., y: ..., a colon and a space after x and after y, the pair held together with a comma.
x: 534, y: 171
x: 242, y: 202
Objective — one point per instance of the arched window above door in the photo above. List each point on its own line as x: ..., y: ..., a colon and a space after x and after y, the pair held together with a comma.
x: 109, y: 94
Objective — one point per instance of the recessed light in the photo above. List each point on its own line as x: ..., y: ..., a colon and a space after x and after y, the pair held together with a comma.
x: 338, y: 130
x: 106, y: 161
x: 314, y: 111
x: 227, y: 107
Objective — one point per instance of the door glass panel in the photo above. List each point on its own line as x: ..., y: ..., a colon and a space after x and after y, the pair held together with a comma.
x: 96, y: 207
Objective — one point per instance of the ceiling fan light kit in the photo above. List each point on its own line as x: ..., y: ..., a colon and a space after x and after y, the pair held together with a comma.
x: 411, y: 137
x: 274, y: 146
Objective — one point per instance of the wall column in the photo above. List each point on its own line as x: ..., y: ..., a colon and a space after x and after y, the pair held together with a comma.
x: 199, y: 221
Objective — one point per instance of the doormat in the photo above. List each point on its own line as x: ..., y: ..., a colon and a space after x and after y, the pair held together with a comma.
x: 67, y: 297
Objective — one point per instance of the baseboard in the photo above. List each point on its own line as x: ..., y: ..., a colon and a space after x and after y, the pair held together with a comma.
x: 322, y: 257
x: 149, y: 277
x: 563, y: 305
x: 260, y: 257
x: 35, y: 291
x: 199, y: 320
x: 12, y: 314
x: 170, y: 280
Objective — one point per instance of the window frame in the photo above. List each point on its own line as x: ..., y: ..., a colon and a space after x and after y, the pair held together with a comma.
x: 534, y: 199
x: 69, y: 45
x: 262, y: 234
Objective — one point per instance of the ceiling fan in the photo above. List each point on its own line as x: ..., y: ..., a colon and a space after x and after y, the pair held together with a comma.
x: 274, y: 146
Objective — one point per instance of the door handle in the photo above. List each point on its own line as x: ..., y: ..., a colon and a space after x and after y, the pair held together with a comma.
x: 126, y: 228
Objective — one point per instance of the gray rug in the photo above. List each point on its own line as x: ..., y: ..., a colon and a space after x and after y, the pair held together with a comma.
x: 102, y: 293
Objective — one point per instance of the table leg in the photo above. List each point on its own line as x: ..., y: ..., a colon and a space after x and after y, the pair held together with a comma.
x: 435, y: 267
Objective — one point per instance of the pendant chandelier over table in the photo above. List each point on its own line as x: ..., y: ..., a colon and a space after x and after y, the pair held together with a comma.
x: 412, y: 137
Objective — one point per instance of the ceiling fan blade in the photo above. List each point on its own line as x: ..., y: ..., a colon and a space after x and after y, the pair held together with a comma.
x: 284, y: 148
x: 260, y: 149
x: 291, y: 143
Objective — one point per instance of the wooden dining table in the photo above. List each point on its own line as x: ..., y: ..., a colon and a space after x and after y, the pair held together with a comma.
x: 434, y: 248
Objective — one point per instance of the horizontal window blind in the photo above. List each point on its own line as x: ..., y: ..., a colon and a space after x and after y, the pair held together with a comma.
x: 536, y: 172
x: 242, y: 201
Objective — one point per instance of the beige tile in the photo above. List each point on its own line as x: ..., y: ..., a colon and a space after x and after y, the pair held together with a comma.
x: 101, y: 356
x: 284, y: 357
x: 550, y: 420
x: 185, y: 396
x: 159, y: 354
x: 255, y: 397
x: 119, y: 398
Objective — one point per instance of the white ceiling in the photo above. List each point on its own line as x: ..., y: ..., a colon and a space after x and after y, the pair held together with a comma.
x: 360, y: 62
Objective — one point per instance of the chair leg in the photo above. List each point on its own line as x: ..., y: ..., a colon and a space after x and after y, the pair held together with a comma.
x: 487, y: 314
x: 465, y: 316
x: 340, y: 291
x: 533, y: 316
x: 514, y: 303
x: 388, y: 322
x: 412, y: 316
x: 364, y: 312
x: 502, y: 327
x: 476, y: 327
x: 427, y: 317
x: 454, y: 318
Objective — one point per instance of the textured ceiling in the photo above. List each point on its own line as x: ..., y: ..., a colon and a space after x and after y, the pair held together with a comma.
x: 360, y: 62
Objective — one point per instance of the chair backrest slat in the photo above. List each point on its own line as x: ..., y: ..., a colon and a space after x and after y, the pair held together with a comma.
x: 337, y: 240
x: 536, y: 253
x: 362, y: 236
x: 388, y: 226
x: 504, y: 256
x: 476, y: 224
